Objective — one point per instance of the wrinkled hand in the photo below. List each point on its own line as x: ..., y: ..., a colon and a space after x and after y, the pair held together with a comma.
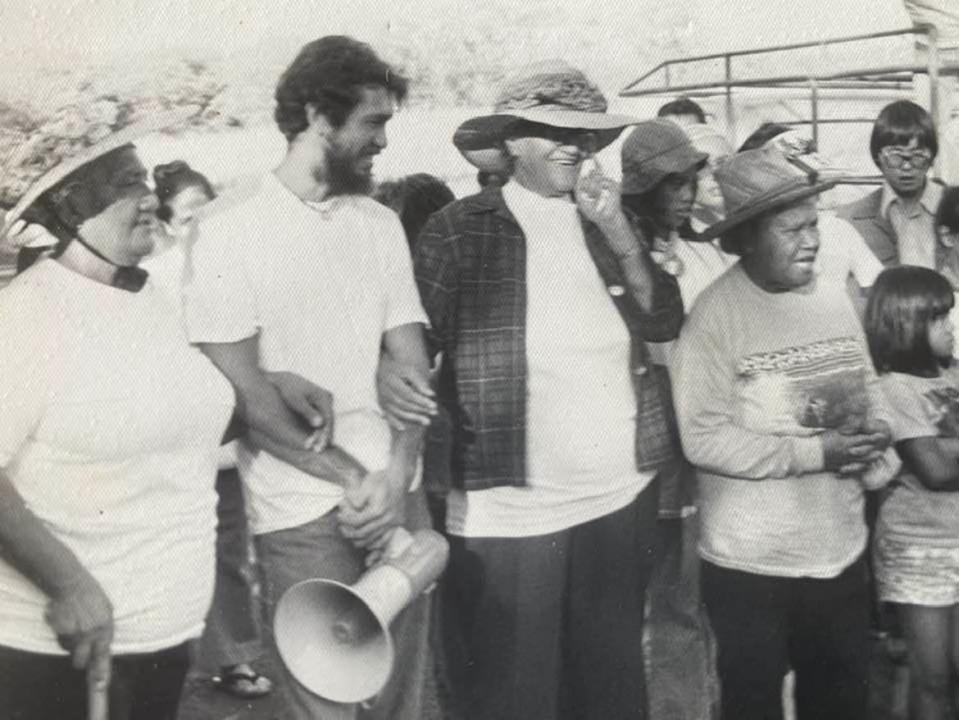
x: 82, y: 619
x: 311, y: 403
x: 598, y: 198
x: 373, y: 507
x: 850, y: 452
x: 405, y: 394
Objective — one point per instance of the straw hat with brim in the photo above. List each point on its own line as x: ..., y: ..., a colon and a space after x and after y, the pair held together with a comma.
x: 549, y: 93
x: 755, y: 181
x: 654, y: 150
x: 50, y: 157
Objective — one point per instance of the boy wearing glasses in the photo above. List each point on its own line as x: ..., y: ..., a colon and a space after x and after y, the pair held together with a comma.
x: 897, y: 220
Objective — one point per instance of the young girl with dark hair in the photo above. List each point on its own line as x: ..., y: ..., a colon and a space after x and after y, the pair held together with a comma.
x: 917, y: 537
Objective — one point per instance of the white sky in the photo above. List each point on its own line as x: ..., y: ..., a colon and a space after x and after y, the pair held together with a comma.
x: 47, y: 31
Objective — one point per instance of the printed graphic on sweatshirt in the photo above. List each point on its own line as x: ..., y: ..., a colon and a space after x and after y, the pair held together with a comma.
x: 802, y: 390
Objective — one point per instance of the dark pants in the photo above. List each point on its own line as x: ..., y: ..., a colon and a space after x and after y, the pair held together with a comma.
x: 46, y: 687
x: 548, y: 627
x: 767, y: 625
x: 232, y: 632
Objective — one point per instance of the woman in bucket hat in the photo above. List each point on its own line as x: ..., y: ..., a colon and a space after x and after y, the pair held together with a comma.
x: 779, y: 413
x: 538, y: 293
x: 660, y: 184
x: 108, y: 446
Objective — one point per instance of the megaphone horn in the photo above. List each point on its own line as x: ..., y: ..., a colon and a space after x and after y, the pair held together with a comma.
x: 335, y: 638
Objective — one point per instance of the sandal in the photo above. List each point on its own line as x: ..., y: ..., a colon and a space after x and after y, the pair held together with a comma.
x: 242, y: 681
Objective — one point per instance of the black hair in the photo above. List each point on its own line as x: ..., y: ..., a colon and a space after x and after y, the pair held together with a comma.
x: 330, y: 74
x: 898, y: 123
x: 763, y: 134
x: 414, y: 198
x: 645, y: 204
x: 902, y: 303
x: 171, y: 179
x: 683, y: 106
x: 947, y: 213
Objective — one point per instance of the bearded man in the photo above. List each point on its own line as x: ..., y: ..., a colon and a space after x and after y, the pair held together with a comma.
x: 311, y: 277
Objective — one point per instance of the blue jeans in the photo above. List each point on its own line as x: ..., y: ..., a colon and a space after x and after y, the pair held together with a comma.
x: 317, y: 549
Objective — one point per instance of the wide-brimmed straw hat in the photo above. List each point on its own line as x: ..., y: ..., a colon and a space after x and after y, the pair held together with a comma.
x: 550, y: 93
x: 652, y: 151
x: 755, y: 181
x: 72, y: 138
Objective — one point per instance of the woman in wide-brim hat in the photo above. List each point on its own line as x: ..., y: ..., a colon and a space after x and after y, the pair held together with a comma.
x: 109, y: 441
x: 780, y: 415
x: 541, y: 295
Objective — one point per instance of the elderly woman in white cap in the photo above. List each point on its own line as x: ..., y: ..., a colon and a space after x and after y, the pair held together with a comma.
x: 541, y: 296
x: 776, y: 400
x: 108, y: 447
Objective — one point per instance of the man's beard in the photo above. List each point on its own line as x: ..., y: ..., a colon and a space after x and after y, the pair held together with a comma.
x: 342, y: 177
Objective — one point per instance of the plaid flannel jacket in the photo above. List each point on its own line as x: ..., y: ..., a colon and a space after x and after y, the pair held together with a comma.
x: 470, y: 264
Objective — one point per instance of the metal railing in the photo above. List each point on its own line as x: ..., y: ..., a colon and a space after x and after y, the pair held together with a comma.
x: 862, y: 78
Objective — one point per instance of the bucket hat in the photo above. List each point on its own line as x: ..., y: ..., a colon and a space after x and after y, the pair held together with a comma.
x: 71, y: 138
x: 653, y: 150
x: 551, y: 93
x: 755, y: 181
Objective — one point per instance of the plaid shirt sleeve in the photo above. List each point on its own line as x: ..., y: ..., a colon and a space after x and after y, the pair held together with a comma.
x: 662, y: 321
x: 435, y: 267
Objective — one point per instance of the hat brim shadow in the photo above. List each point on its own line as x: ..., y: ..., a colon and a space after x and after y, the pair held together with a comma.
x: 479, y: 139
x: 771, y: 203
x: 64, y: 169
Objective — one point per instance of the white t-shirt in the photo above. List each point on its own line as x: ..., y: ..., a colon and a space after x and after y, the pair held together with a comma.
x: 843, y: 252
x: 319, y: 285
x: 581, y: 407
x: 111, y: 424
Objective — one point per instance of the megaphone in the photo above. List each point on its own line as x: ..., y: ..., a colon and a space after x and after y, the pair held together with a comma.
x: 335, y: 638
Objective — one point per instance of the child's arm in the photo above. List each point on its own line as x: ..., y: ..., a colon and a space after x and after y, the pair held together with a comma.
x: 934, y: 460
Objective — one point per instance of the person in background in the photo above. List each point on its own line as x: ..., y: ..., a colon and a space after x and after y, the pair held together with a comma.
x: 541, y: 295
x: 230, y: 640
x: 107, y: 447
x: 897, y: 220
x: 947, y: 235
x: 309, y: 275
x: 780, y: 415
x: 660, y: 176
x: 683, y: 111
x: 708, y: 207
x: 414, y: 198
x: 916, y: 546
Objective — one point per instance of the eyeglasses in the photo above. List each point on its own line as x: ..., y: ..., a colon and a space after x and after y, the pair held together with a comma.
x: 585, y: 139
x: 896, y: 157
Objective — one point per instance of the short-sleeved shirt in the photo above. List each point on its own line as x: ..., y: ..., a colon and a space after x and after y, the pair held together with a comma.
x: 319, y: 284
x: 843, y: 252
x: 111, y: 426
x: 921, y: 407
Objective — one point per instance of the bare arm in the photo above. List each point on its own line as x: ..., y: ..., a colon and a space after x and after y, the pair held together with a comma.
x: 933, y: 460
x: 79, y: 611
x: 378, y: 505
x: 271, y: 424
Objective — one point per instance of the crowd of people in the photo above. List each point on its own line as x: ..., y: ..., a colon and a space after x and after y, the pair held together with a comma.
x: 683, y: 431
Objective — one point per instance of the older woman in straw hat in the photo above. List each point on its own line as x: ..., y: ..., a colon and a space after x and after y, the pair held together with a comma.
x: 108, y: 445
x: 778, y: 410
x: 541, y: 296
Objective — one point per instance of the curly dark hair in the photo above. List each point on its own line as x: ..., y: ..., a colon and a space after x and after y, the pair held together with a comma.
x: 330, y: 74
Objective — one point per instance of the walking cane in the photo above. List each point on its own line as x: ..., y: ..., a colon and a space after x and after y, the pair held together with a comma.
x: 98, y: 688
